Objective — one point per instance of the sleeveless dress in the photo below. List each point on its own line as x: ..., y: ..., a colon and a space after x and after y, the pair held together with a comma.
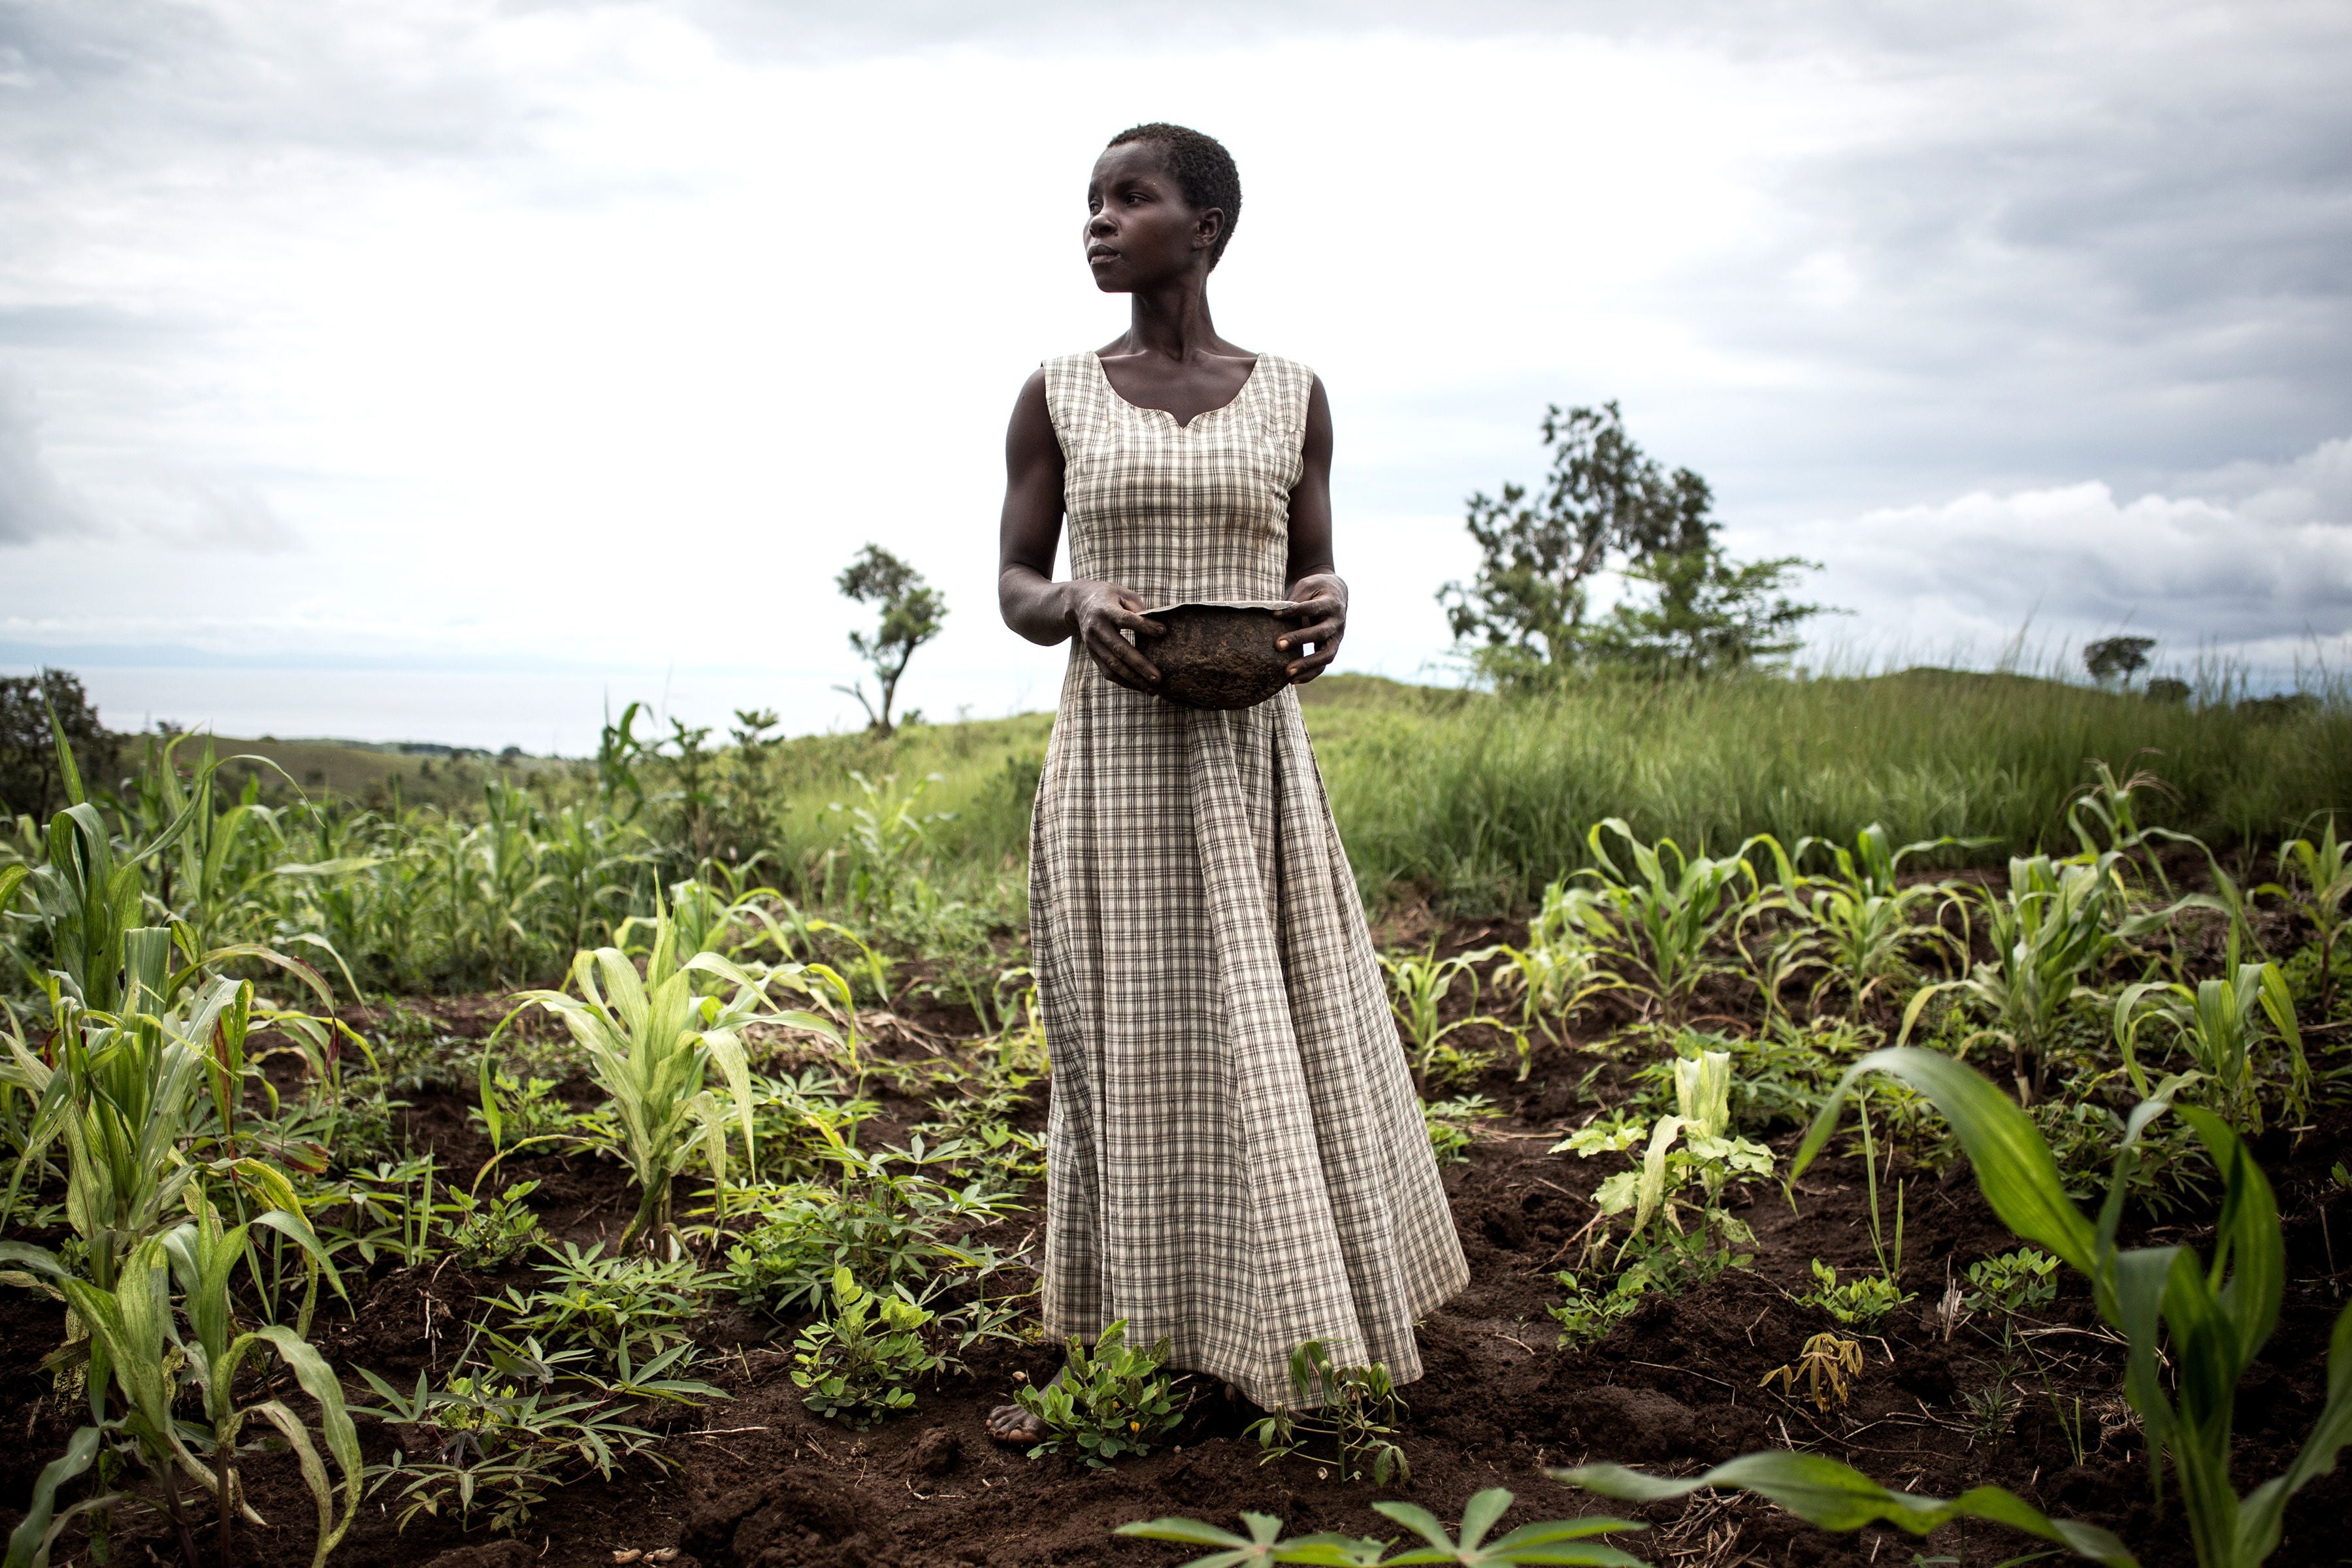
x: 1235, y: 1156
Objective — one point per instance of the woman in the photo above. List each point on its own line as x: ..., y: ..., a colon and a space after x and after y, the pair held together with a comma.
x: 1236, y: 1157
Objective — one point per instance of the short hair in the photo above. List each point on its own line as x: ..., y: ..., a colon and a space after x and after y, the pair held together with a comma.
x: 1201, y: 167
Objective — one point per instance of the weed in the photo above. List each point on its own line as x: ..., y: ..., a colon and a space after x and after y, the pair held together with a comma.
x: 1355, y: 1409
x: 2013, y: 1283
x: 1110, y: 1401
x: 1450, y: 1123
x: 1860, y: 1304
x: 486, y: 1234
x: 1664, y: 1263
x: 858, y: 1363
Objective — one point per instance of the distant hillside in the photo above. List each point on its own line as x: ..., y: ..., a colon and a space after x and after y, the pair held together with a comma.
x: 415, y: 773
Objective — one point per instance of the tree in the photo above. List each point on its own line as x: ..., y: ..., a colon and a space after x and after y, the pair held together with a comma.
x: 912, y: 613
x: 1608, y: 506
x: 2116, y: 659
x: 29, y: 780
x: 1706, y: 614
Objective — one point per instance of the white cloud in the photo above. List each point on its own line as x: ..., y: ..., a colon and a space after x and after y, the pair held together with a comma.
x: 2253, y: 565
x: 32, y: 502
x: 602, y: 334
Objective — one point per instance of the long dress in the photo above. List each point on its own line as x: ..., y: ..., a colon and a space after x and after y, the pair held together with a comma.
x: 1235, y: 1157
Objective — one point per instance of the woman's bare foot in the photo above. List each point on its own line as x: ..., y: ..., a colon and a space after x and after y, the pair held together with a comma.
x: 1013, y: 1424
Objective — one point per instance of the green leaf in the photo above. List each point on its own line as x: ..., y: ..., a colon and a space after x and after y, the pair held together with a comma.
x: 1838, y: 1497
x: 2012, y: 1164
x: 29, y: 1544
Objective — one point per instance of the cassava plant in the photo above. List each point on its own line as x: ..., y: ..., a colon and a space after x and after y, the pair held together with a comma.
x: 1352, y: 1410
x: 1551, y: 1542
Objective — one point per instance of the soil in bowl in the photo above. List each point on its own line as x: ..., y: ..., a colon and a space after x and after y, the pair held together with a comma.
x: 1218, y: 655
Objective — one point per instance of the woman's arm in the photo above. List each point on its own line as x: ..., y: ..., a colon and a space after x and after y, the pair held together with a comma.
x: 1034, y: 605
x: 1317, y: 596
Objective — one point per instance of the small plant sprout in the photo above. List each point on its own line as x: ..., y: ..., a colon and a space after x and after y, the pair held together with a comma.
x: 1352, y: 1409
x: 1110, y: 1401
x: 1860, y: 1304
x: 858, y: 1365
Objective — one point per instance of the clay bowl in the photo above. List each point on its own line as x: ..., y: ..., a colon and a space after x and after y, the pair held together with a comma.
x: 1218, y: 655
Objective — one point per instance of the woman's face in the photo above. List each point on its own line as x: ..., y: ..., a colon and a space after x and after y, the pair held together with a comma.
x: 1140, y: 229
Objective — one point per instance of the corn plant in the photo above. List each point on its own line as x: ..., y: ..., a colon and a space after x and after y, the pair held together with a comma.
x: 650, y: 1044
x: 1860, y: 927
x: 1419, y: 983
x: 127, y: 1100
x: 2218, y: 1317
x: 2221, y: 1026
x: 1555, y: 974
x: 2326, y: 874
x: 2053, y: 930
x: 1712, y: 1156
x: 1659, y: 916
x: 130, y: 1325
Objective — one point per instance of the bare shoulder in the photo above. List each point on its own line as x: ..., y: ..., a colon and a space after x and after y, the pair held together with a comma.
x: 1031, y: 435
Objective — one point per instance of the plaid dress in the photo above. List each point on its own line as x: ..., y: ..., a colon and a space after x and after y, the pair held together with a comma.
x: 1235, y: 1156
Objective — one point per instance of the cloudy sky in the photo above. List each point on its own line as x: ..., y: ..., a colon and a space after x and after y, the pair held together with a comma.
x: 435, y: 369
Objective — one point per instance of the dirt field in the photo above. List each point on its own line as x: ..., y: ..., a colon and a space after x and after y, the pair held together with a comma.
x: 759, y: 1480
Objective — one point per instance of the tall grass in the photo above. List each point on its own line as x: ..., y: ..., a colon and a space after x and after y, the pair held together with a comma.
x: 1478, y: 802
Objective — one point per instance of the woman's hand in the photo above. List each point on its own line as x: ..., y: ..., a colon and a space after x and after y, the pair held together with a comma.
x: 1098, y: 612
x: 1320, y: 601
